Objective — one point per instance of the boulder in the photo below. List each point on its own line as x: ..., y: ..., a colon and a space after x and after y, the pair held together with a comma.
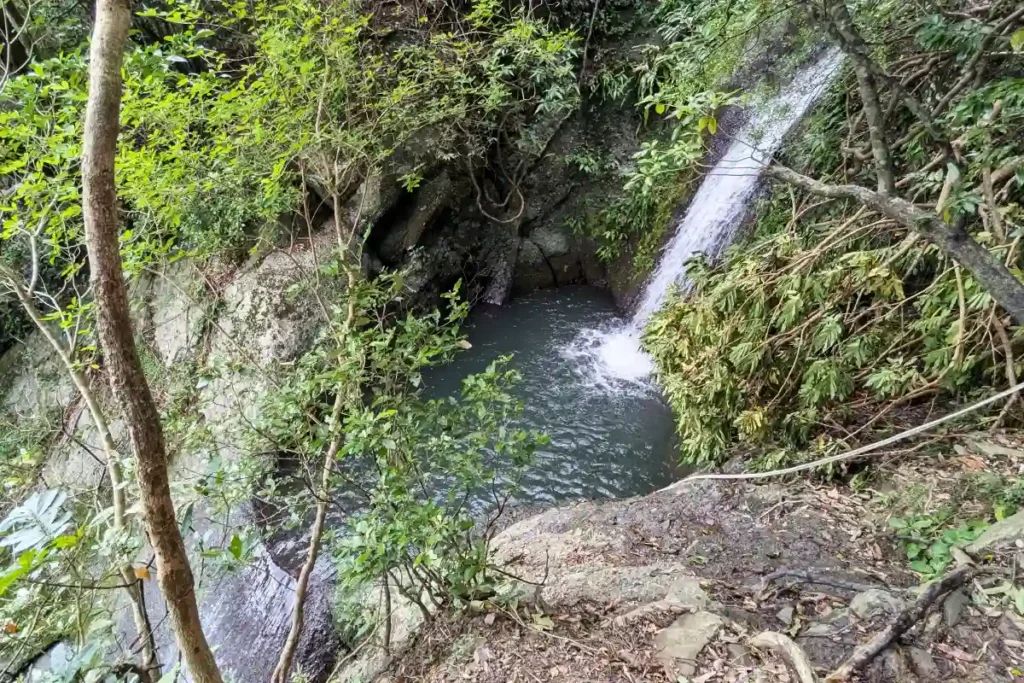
x: 548, y: 257
x: 177, y: 317
x: 429, y: 201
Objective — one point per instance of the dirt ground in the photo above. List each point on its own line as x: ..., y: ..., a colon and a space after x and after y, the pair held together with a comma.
x: 597, y: 617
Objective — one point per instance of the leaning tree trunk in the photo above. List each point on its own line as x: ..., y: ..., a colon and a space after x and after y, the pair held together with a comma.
x: 13, y: 54
x: 129, y: 385
x: 989, y: 271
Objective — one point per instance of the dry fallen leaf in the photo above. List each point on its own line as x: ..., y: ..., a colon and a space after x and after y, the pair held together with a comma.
x: 142, y: 573
x: 953, y: 652
x: 11, y: 627
x: 973, y: 463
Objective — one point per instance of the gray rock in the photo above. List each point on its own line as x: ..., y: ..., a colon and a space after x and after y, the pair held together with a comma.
x: 923, y: 664
x: 177, y: 320
x: 785, y: 615
x: 532, y: 269
x: 679, y: 645
x: 1003, y: 531
x: 552, y: 241
x: 896, y: 665
x: 873, y: 602
x: 33, y: 380
x: 993, y: 449
x: 834, y: 623
x: 953, y: 607
x: 430, y: 199
x: 79, y: 466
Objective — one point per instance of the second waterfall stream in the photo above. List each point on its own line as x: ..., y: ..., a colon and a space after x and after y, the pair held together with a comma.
x: 612, y: 357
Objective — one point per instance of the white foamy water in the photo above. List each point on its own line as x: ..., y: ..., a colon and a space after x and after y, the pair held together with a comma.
x: 612, y: 357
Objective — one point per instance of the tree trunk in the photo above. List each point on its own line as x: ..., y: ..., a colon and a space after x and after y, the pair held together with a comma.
x: 986, y: 268
x: 840, y: 25
x: 127, y: 381
x: 13, y: 53
x: 81, y: 382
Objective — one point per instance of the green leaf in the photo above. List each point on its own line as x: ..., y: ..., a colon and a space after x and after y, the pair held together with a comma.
x: 659, y: 109
x: 1017, y: 40
x: 236, y: 547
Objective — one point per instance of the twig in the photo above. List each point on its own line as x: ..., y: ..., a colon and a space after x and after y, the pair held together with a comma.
x: 865, y: 654
x: 1011, y: 374
x: 852, y: 454
x: 807, y: 577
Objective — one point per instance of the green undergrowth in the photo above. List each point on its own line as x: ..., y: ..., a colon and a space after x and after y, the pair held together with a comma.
x: 673, y: 79
x: 827, y: 325
x: 929, y: 523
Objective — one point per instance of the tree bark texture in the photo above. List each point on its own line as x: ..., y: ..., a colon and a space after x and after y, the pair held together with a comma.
x: 13, y: 53
x: 127, y: 381
x: 841, y: 26
x: 99, y: 420
x: 986, y: 268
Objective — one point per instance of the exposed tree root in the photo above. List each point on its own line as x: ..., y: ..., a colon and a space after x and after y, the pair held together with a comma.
x: 807, y: 576
x: 770, y: 640
x: 865, y: 654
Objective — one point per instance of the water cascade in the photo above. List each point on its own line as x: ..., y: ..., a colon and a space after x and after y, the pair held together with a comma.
x: 612, y: 356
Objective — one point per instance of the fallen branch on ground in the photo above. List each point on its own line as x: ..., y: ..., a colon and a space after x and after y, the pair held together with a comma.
x: 808, y: 577
x: 855, y: 453
x: 906, y: 619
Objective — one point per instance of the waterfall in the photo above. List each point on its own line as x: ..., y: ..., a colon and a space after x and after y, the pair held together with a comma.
x: 612, y: 356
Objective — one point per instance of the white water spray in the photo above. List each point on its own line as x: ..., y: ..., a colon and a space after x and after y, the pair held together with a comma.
x: 612, y: 356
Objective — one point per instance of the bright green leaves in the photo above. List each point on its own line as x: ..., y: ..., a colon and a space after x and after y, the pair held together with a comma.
x: 825, y: 380
x: 928, y: 541
x: 827, y: 333
x: 1017, y: 40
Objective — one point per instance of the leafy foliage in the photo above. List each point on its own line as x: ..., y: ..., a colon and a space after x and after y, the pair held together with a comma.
x: 827, y: 316
x: 412, y: 472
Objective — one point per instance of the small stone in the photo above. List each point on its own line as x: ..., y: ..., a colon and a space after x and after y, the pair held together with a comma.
x: 896, y: 664
x: 873, y: 602
x: 489, y: 619
x: 959, y: 450
x: 838, y: 620
x: 923, y: 664
x: 678, y: 646
x: 994, y: 449
x: 739, y: 655
x: 953, y: 607
x: 1011, y: 626
x: 785, y: 615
